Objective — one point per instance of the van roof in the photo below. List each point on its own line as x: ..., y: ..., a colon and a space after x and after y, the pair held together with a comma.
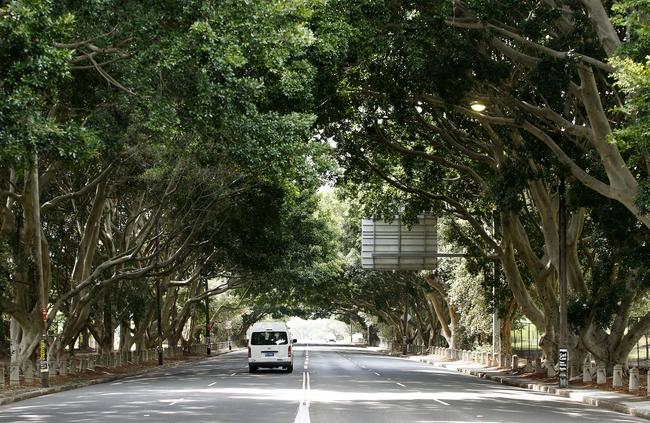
x: 262, y: 326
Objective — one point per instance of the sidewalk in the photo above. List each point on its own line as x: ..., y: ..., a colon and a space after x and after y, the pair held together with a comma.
x: 610, y: 400
x: 10, y: 394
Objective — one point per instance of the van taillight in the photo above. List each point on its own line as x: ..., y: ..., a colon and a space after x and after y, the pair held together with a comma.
x: 249, y: 352
x: 289, y: 350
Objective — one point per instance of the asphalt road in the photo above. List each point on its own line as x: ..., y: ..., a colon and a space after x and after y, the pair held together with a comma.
x: 328, y: 385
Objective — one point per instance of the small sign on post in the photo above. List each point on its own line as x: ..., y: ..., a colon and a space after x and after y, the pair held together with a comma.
x: 563, y: 367
x: 44, y: 368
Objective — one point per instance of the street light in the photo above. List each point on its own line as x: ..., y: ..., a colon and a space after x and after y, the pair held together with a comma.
x: 477, y: 106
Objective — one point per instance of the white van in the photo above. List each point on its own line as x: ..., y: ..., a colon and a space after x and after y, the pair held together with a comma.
x: 270, y: 345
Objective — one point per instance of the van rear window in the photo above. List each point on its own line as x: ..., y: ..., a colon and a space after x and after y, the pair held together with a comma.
x: 269, y: 338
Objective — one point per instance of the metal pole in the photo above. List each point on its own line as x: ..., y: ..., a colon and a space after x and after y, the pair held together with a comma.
x: 647, y: 364
x: 564, y: 332
x: 208, y: 341
x: 496, y: 324
x: 159, y: 311
x: 38, y: 261
x: 406, y: 322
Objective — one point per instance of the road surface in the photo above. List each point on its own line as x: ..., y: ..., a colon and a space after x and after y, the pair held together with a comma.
x: 330, y: 384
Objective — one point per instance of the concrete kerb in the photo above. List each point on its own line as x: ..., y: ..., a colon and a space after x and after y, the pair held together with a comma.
x: 619, y: 406
x: 566, y: 393
x: 9, y: 399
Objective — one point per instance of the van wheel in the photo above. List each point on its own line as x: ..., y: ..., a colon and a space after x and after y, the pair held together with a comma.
x: 252, y: 369
x: 290, y: 368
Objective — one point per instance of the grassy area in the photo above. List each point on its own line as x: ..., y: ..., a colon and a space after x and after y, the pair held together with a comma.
x: 525, y: 336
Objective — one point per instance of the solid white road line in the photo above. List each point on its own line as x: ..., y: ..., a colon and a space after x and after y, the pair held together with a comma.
x: 303, y: 409
x: 308, y: 390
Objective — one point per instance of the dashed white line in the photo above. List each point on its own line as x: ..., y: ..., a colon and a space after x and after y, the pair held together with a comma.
x: 176, y: 402
x: 377, y: 374
x: 441, y: 402
x: 212, y: 384
x: 403, y: 386
x: 233, y: 374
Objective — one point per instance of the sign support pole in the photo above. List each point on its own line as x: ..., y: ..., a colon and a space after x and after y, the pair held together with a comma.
x: 563, y: 353
x: 208, y: 340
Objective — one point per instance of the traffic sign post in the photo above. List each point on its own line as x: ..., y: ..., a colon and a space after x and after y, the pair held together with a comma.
x: 229, y: 329
x: 564, y: 367
x: 43, y: 364
x: 208, y: 326
x: 42, y: 356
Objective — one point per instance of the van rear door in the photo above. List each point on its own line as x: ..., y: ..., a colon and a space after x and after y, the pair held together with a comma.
x: 269, y: 346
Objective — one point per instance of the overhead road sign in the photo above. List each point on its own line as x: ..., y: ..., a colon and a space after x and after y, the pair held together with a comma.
x: 394, y: 246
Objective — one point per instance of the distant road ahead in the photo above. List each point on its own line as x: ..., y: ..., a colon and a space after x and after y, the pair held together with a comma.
x: 330, y: 384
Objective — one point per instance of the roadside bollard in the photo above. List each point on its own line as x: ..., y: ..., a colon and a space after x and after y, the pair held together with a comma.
x: 2, y: 373
x: 634, y: 380
x: 63, y: 367
x: 515, y: 362
x: 586, y: 371
x: 617, y: 380
x: 550, y: 367
x: 601, y: 374
x: 28, y: 372
x: 507, y: 361
x: 14, y: 373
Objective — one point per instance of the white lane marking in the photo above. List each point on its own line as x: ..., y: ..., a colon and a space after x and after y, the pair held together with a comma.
x: 212, y: 384
x: 233, y: 374
x: 403, y: 386
x: 306, y: 365
x: 176, y: 402
x: 308, y: 390
x: 441, y: 402
x: 303, y: 409
x: 377, y: 374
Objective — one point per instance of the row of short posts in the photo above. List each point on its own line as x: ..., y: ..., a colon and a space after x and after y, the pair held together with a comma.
x: 484, y: 358
x: 590, y: 369
x: 64, y: 367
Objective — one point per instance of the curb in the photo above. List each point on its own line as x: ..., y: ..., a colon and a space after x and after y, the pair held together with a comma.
x: 548, y: 389
x: 76, y: 385
x: 565, y: 393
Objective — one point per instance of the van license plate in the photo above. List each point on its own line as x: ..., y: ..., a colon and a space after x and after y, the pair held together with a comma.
x: 268, y: 354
